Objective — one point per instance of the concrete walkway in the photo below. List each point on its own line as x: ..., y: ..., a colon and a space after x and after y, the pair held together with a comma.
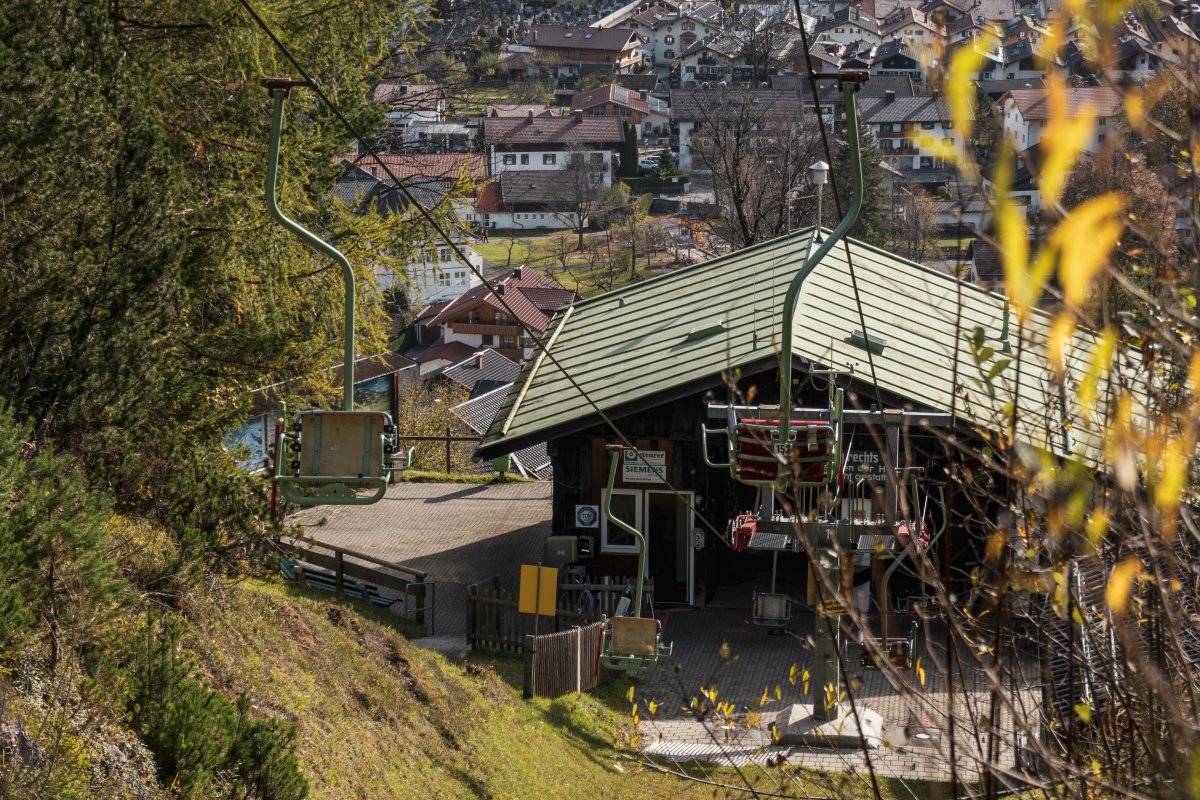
x: 458, y: 534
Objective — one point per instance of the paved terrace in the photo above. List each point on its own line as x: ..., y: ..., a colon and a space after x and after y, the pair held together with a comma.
x: 462, y: 534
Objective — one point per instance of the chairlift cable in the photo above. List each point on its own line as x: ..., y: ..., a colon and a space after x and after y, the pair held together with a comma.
x: 458, y: 252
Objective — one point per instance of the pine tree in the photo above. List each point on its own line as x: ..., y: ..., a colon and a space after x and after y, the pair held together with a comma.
x: 629, y: 153
x: 874, y: 220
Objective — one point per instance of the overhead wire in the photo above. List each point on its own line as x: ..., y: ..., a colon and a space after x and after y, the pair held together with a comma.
x: 453, y: 245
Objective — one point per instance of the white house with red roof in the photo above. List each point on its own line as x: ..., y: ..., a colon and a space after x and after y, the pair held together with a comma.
x: 478, y: 319
x: 549, y: 143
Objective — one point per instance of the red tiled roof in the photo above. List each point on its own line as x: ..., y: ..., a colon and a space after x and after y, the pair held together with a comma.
x: 436, y: 166
x: 431, y: 311
x: 1100, y: 101
x: 609, y: 93
x: 553, y: 130
x: 453, y: 352
x: 401, y: 96
x: 529, y: 297
x: 489, y: 199
x: 520, y: 110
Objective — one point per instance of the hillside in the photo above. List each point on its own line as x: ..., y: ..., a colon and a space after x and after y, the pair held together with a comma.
x: 380, y: 718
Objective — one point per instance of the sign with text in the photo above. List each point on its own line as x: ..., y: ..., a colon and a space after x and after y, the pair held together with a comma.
x: 587, y: 516
x: 644, y: 466
x: 864, y: 464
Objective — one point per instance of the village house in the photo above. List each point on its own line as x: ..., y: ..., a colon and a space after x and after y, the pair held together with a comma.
x: 553, y: 143
x: 639, y: 108
x: 670, y: 30
x: 573, y: 47
x: 410, y: 102
x: 658, y: 371
x: 912, y: 132
x: 477, y: 319
x: 1026, y: 112
x: 850, y: 25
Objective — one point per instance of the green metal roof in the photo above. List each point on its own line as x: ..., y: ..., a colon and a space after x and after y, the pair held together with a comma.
x: 660, y: 337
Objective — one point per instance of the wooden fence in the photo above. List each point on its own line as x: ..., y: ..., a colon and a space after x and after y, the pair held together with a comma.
x: 493, y: 622
x: 355, y: 574
x: 563, y: 662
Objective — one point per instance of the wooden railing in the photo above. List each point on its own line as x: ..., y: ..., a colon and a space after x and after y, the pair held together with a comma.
x: 496, y: 329
x: 361, y: 575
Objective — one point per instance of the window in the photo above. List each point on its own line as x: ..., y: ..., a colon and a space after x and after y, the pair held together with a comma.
x: 947, y: 124
x: 524, y: 159
x: 668, y: 54
x: 501, y: 318
x: 1100, y: 138
x: 1102, y: 121
x: 627, y: 507
x: 508, y: 342
x: 488, y: 341
x: 549, y: 158
x: 949, y: 142
x: 668, y: 40
x: 444, y: 254
x: 928, y: 126
x: 510, y: 159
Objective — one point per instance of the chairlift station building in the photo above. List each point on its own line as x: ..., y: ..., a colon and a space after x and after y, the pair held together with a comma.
x: 652, y: 357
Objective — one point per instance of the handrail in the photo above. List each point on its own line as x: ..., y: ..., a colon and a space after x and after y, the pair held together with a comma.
x: 308, y: 544
x: 615, y: 451
x: 279, y: 91
x: 849, y: 86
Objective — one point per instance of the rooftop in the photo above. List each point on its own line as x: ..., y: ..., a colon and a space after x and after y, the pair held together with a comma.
x: 609, y: 93
x: 554, y: 130
x: 671, y: 337
x: 579, y: 38
x: 1099, y: 101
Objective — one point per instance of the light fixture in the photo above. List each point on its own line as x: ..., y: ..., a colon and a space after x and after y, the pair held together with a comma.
x: 820, y: 177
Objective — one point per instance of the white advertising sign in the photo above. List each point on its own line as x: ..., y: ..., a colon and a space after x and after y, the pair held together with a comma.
x: 644, y: 466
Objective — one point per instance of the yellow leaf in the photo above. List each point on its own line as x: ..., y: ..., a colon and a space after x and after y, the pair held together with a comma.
x: 1067, y: 133
x: 1085, y: 239
x: 1193, y: 378
x: 629, y: 694
x: 762, y: 701
x: 1172, y: 476
x: 1084, y: 711
x: 1059, y: 340
x: 920, y: 672
x: 1013, y: 240
x: 652, y: 707
x: 1120, y: 583
x: 792, y: 675
x: 1097, y: 366
x: 960, y: 83
x: 995, y: 545
x: 1097, y: 526
x: 778, y: 692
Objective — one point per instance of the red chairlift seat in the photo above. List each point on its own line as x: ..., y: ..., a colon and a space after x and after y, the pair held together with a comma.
x: 760, y: 458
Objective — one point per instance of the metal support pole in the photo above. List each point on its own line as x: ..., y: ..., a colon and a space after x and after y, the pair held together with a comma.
x: 279, y: 87
x: 615, y: 454
x: 826, y: 670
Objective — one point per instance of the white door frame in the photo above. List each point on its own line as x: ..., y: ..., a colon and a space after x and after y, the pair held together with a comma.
x: 690, y: 522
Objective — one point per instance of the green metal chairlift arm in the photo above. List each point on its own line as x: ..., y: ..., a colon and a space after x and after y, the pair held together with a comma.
x: 849, y: 87
x: 616, y: 452
x: 279, y: 88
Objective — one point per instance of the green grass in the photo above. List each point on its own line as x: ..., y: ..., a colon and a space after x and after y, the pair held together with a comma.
x: 533, y: 252
x: 379, y: 718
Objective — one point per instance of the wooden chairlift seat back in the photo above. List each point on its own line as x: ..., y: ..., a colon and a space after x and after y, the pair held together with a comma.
x: 634, y: 636
x: 337, y: 444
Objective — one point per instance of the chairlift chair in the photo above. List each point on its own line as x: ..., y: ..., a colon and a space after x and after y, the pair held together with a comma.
x: 330, y: 455
x: 630, y: 643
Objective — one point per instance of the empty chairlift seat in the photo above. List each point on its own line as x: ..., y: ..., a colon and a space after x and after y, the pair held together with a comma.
x: 760, y: 458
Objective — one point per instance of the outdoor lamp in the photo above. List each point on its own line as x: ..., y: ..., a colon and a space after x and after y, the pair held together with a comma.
x: 820, y: 177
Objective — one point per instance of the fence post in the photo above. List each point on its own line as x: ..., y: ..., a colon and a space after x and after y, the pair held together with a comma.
x: 578, y: 659
x: 339, y: 570
x: 530, y: 664
x: 472, y: 612
x: 419, y: 595
x: 447, y: 450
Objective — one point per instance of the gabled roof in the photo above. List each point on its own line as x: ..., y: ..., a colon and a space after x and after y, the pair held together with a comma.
x: 478, y: 413
x: 896, y: 47
x: 691, y: 104
x: 520, y: 110
x: 436, y: 166
x: 672, y: 336
x: 553, y: 130
x: 485, y: 365
x: 637, y: 83
x: 924, y: 108
x: 445, y: 351
x: 849, y: 16
x: 553, y: 189
x: 1100, y: 101
x: 403, y: 96
x: 571, y: 37
x: 609, y: 93
x: 521, y: 294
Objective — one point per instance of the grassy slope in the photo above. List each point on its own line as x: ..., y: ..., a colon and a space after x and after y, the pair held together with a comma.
x: 379, y: 718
